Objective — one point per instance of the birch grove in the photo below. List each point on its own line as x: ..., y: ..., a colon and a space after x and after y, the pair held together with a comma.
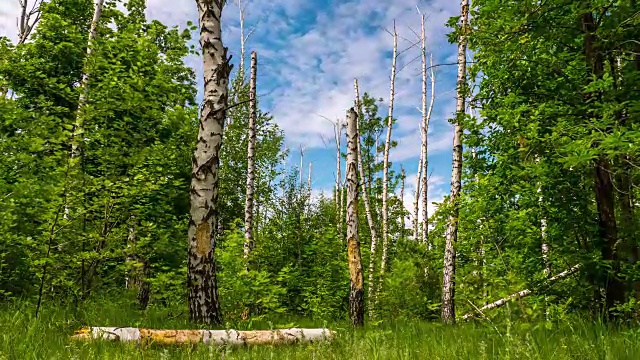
x: 449, y: 270
x: 114, y: 146
x: 204, y: 305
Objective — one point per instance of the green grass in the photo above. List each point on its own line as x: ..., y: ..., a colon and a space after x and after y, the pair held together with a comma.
x: 23, y: 337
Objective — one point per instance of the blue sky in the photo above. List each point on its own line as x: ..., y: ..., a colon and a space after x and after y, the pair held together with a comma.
x: 309, y: 53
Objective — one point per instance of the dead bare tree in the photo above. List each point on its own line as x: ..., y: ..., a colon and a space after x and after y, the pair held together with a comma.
x: 28, y: 19
x: 385, y: 162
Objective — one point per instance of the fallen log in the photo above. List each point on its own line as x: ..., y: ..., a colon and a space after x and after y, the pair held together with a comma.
x: 521, y: 294
x: 209, y: 337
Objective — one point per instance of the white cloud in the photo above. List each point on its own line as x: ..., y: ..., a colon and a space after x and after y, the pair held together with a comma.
x: 306, y: 69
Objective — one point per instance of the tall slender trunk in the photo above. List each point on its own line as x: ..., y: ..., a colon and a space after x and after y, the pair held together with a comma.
x: 251, y: 171
x: 78, y: 129
x: 403, y: 177
x: 449, y: 269
x: 367, y: 208
x: 425, y: 158
x: 356, y: 288
x: 204, y: 305
x: 309, y: 178
x: 301, y: 164
x: 337, y: 130
x: 416, y: 200
x: 604, y: 190
x: 77, y: 137
x: 385, y: 164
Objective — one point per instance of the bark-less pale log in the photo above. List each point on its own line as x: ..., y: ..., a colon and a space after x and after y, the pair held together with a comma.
x: 367, y: 208
x: 356, y: 288
x: 523, y: 293
x: 208, y: 337
x: 251, y: 166
x: 449, y: 269
x: 385, y: 164
x: 203, y: 288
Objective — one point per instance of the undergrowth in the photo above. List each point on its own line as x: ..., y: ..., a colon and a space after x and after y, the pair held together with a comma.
x: 24, y: 337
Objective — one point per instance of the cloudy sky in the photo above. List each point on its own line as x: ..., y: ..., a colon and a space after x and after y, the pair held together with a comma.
x: 309, y: 53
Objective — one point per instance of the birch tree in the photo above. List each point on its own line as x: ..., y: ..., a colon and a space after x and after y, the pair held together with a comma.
x: 253, y: 113
x: 204, y: 305
x: 385, y: 166
x: 367, y: 208
x: 448, y: 276
x: 78, y: 129
x: 425, y: 142
x: 416, y: 200
x: 356, y: 289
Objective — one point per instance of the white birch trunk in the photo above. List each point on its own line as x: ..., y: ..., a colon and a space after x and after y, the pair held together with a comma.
x: 523, y: 293
x: 208, y: 337
x: 251, y: 175
x: 309, y: 178
x: 367, y: 209
x: 449, y: 269
x: 78, y: 129
x: 204, y: 305
x: 425, y: 159
x: 416, y: 200
x: 338, y: 135
x: 356, y: 288
x: 403, y: 177
x: 385, y: 164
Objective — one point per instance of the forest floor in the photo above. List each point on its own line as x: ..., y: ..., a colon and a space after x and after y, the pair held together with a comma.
x: 23, y: 337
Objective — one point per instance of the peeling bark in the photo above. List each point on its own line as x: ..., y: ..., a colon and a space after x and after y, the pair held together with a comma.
x: 208, y: 337
x: 367, y: 209
x: 356, y: 288
x: 251, y: 174
x: 203, y: 288
x: 449, y: 269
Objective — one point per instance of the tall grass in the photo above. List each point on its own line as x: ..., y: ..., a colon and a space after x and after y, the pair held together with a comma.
x: 24, y: 337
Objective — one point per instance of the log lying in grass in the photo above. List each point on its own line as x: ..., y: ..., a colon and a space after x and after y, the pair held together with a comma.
x: 210, y: 337
x: 521, y: 294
